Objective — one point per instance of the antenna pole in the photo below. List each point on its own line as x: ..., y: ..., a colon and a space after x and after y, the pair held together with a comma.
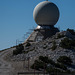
x: 46, y: 0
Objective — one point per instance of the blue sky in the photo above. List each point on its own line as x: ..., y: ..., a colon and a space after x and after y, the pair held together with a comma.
x: 16, y: 18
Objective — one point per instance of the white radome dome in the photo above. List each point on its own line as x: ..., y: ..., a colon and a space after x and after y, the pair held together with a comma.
x: 46, y: 13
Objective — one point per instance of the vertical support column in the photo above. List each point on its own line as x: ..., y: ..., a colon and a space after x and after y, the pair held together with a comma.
x: 34, y: 69
x: 28, y: 63
x: 24, y: 63
x: 44, y: 68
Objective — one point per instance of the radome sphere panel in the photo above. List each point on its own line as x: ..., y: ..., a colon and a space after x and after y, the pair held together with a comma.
x: 46, y: 13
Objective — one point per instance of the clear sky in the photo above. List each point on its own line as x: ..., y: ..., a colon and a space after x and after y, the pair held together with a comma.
x: 16, y: 18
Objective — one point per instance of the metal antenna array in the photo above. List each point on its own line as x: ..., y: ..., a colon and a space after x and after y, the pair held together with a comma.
x: 25, y: 36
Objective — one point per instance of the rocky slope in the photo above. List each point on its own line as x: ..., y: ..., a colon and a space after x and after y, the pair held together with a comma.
x: 44, y: 48
x: 6, y: 67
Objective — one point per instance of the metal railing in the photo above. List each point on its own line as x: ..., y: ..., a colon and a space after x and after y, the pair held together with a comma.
x: 37, y: 73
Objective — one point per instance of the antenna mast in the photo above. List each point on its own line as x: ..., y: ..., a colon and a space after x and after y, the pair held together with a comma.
x: 46, y: 0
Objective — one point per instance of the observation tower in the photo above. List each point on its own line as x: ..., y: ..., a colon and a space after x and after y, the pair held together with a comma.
x: 46, y: 15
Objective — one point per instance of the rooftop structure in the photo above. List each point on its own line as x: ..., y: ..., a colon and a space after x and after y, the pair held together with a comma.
x: 46, y: 13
